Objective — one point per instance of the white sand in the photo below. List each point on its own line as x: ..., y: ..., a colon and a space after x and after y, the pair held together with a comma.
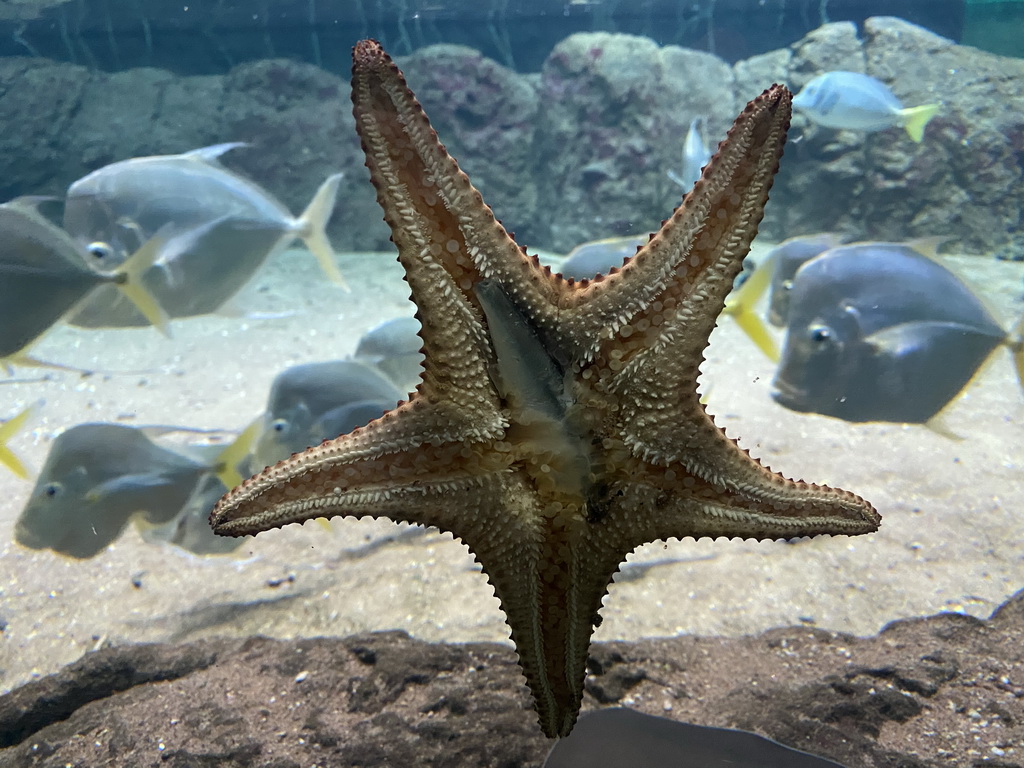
x: 952, y: 536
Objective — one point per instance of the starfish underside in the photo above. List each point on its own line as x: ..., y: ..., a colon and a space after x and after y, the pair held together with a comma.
x: 557, y: 425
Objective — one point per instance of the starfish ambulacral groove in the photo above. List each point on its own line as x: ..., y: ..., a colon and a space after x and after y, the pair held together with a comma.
x: 557, y: 426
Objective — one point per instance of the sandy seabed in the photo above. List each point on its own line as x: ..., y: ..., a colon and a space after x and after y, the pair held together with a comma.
x: 952, y: 537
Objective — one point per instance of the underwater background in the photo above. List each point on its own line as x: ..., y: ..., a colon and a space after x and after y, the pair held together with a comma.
x: 574, y: 121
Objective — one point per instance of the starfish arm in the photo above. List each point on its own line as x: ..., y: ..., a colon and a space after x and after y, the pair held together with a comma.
x: 428, y: 201
x: 686, y: 269
x: 660, y: 504
x: 557, y: 424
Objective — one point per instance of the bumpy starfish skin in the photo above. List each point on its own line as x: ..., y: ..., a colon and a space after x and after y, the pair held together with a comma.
x: 557, y: 425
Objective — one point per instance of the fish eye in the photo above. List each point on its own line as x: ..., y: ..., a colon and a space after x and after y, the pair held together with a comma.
x: 52, y: 489
x: 100, y: 250
x: 279, y: 425
x: 820, y: 333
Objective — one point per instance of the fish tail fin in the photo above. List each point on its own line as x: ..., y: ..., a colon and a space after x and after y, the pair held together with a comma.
x: 313, y: 227
x: 740, y: 305
x: 227, y: 461
x: 9, y: 429
x: 130, y: 283
x: 916, y: 118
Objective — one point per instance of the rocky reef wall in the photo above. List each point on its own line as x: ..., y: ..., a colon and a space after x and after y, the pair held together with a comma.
x: 579, y: 151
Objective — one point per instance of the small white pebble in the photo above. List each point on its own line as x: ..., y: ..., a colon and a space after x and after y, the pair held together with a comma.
x: 301, y: 676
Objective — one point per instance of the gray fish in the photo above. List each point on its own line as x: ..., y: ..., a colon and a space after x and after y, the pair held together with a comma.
x: 189, y: 278
x: 695, y: 156
x: 624, y: 738
x: 878, y: 332
x: 783, y: 261
x: 395, y: 348
x: 43, y: 275
x: 99, y: 477
x: 190, y: 528
x: 599, y: 257
x: 857, y: 102
x: 111, y: 209
x: 318, y: 401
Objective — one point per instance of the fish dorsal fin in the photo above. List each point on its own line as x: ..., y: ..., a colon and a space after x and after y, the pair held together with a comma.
x: 211, y: 155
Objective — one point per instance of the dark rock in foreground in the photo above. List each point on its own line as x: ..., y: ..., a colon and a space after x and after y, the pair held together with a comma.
x: 945, y: 690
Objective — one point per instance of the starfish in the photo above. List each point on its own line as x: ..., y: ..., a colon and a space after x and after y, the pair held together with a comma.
x: 557, y: 425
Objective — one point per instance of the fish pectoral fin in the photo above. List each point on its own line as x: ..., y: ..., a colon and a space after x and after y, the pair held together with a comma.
x: 313, y: 227
x: 907, y: 338
x: 124, y: 483
x: 916, y: 118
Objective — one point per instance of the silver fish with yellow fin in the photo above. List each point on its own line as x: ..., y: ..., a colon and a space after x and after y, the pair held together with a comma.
x: 44, y: 275
x: 314, y: 402
x: 395, y: 348
x: 879, y: 332
x: 99, y: 477
x: 112, y: 209
x: 695, y: 156
x: 197, y: 272
x: 857, y: 102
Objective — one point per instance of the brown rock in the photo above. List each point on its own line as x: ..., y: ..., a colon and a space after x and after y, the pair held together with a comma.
x: 945, y: 690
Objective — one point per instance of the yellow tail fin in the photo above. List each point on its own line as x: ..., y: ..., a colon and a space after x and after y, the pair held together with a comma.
x: 130, y: 284
x: 916, y: 118
x: 314, y: 227
x: 740, y: 305
x: 228, y: 460
x: 9, y: 429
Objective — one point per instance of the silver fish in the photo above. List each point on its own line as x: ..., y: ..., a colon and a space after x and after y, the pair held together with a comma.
x: 878, y: 332
x: 190, y: 277
x: 857, y: 102
x: 599, y: 257
x: 111, y: 209
x: 318, y: 401
x: 783, y: 261
x: 395, y: 348
x: 99, y: 477
x: 695, y: 156
x: 43, y: 276
x: 190, y: 528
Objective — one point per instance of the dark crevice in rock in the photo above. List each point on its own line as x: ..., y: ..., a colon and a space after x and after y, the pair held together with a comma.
x: 95, y: 676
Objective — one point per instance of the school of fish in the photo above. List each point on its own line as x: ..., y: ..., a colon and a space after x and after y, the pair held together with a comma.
x: 872, y: 331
